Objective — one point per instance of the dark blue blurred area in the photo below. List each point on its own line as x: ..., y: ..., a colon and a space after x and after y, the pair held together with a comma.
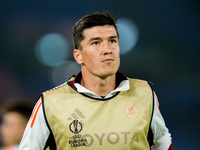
x: 167, y: 52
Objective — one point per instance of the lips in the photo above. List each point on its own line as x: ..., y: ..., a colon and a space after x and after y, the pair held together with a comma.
x: 108, y: 60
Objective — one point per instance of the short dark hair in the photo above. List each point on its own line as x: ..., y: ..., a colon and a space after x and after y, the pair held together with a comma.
x: 89, y: 21
x: 23, y: 107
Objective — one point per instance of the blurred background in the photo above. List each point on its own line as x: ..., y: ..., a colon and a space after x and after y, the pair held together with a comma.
x: 159, y: 41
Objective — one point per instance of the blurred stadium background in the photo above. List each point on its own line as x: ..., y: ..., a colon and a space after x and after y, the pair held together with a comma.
x: 159, y: 40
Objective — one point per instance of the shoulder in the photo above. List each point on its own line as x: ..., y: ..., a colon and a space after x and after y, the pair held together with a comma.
x: 56, y: 90
x: 138, y: 82
x: 140, y: 85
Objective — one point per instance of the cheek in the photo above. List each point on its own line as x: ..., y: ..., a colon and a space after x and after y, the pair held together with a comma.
x: 118, y: 50
x: 8, y: 132
x: 90, y: 58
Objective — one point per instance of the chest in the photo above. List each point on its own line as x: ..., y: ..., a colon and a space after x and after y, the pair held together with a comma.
x: 77, y: 121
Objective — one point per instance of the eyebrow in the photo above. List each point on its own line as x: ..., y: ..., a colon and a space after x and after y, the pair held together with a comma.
x: 113, y: 37
x: 94, y: 39
x: 98, y: 38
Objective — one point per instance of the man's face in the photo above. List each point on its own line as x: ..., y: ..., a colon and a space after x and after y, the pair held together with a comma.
x: 100, y: 51
x: 12, y: 128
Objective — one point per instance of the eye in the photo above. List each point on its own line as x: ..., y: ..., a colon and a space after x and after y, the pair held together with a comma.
x: 95, y: 43
x: 113, y: 41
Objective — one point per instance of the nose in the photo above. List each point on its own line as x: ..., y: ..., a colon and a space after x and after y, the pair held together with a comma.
x: 107, y: 49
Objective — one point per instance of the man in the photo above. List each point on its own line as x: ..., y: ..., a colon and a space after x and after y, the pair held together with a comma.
x: 99, y: 108
x: 15, y: 115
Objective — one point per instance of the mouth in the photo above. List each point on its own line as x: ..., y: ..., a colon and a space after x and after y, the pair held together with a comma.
x: 108, y: 60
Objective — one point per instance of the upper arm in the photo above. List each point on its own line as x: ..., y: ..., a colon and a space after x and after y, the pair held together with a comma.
x: 161, y: 135
x: 36, y: 133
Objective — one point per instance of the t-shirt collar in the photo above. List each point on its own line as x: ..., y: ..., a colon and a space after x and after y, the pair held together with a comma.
x: 122, y: 84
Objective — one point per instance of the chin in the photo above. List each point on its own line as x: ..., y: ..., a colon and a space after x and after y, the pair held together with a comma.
x: 108, y: 73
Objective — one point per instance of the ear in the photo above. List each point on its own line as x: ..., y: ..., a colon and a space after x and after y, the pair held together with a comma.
x: 78, y: 56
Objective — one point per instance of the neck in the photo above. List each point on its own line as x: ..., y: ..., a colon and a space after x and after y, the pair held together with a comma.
x: 98, y: 85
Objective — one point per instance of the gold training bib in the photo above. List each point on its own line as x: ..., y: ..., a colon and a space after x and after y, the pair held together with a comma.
x: 119, y: 123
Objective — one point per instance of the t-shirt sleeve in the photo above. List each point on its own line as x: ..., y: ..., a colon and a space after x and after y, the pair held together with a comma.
x: 161, y: 137
x: 37, y: 132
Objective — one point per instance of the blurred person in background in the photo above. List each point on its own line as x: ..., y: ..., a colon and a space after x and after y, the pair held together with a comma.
x: 15, y: 115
